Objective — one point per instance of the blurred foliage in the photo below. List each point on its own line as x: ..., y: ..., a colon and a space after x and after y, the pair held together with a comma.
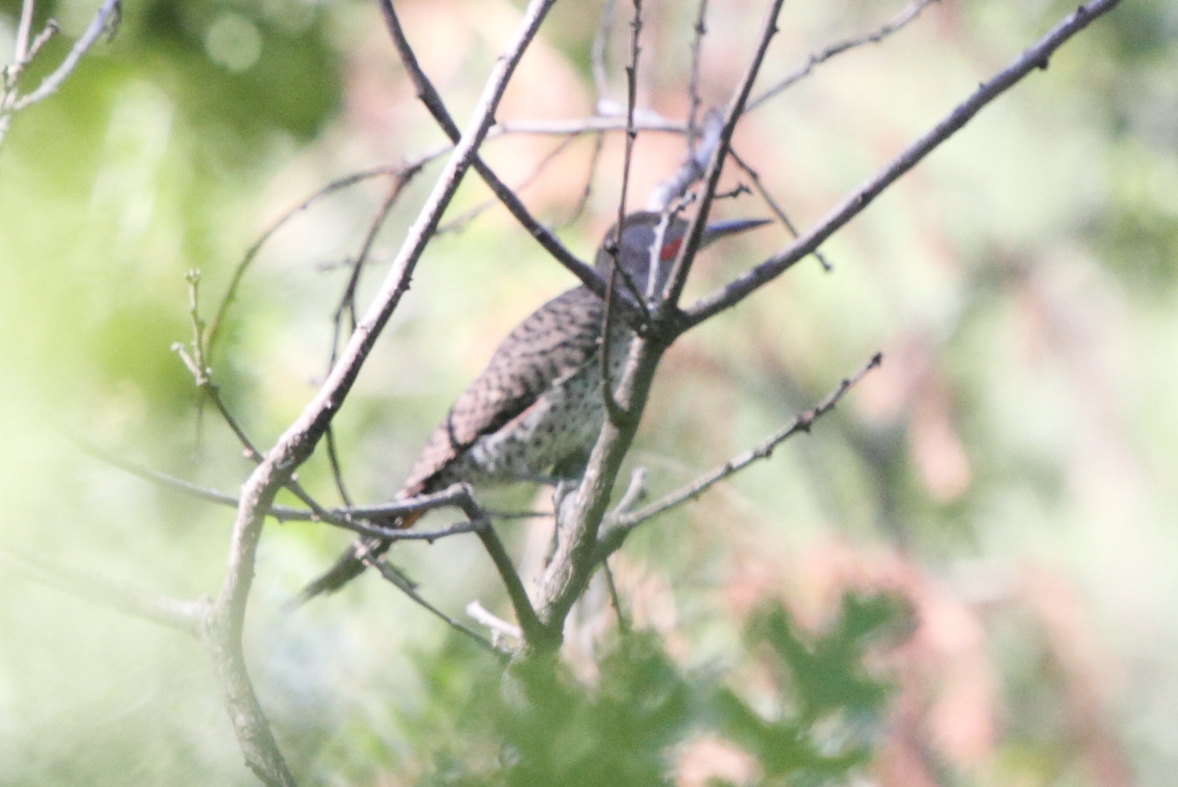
x: 1007, y: 475
x: 544, y: 727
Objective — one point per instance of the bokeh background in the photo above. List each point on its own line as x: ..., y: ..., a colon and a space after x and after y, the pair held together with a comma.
x: 1008, y: 473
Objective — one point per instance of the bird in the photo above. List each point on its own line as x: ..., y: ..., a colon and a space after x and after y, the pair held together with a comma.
x: 535, y: 411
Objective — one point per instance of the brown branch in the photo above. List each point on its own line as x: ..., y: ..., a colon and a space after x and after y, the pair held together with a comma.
x: 1035, y: 57
x: 623, y: 524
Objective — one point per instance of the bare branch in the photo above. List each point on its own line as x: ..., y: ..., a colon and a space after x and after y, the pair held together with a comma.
x: 613, y: 245
x: 695, y: 102
x: 403, y: 171
x: 24, y: 29
x: 433, y: 102
x: 646, y: 120
x: 299, y: 440
x: 493, y: 622
x: 909, y: 12
x: 103, y: 20
x: 773, y: 206
x: 186, y: 616
x: 1035, y: 57
x: 393, y: 576
x: 623, y: 524
x: 691, y: 241
x: 604, y: 105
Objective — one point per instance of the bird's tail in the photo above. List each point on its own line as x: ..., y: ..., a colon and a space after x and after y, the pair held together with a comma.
x: 350, y: 565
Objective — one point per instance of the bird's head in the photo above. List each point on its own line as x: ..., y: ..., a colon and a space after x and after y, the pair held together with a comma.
x: 650, y: 242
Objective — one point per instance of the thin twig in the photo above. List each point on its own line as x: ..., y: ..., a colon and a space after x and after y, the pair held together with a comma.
x: 180, y: 614
x: 646, y: 120
x: 695, y: 102
x: 395, y: 578
x: 404, y: 171
x: 604, y: 105
x: 583, y: 200
x: 492, y: 621
x: 615, y: 599
x: 625, y: 523
x: 773, y: 206
x: 429, y: 96
x: 909, y: 12
x: 458, y: 223
x: 102, y: 21
x: 1034, y: 57
x: 20, y: 55
x: 614, y: 245
x: 681, y: 268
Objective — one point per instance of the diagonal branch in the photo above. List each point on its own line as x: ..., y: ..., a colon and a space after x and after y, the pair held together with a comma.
x: 1035, y: 57
x: 433, y: 102
x: 394, y: 577
x: 102, y: 21
x: 906, y: 15
x: 297, y: 443
x: 691, y: 241
x: 186, y: 616
x: 773, y: 206
x: 625, y: 523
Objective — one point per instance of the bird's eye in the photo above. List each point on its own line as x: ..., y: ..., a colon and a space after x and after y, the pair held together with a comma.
x: 670, y: 249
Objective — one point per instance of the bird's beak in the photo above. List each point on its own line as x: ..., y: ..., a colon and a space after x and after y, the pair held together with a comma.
x: 722, y: 229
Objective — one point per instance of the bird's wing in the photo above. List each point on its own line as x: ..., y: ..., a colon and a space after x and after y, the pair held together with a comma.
x: 551, y: 343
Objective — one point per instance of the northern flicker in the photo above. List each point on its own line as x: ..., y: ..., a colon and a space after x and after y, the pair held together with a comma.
x: 537, y: 407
